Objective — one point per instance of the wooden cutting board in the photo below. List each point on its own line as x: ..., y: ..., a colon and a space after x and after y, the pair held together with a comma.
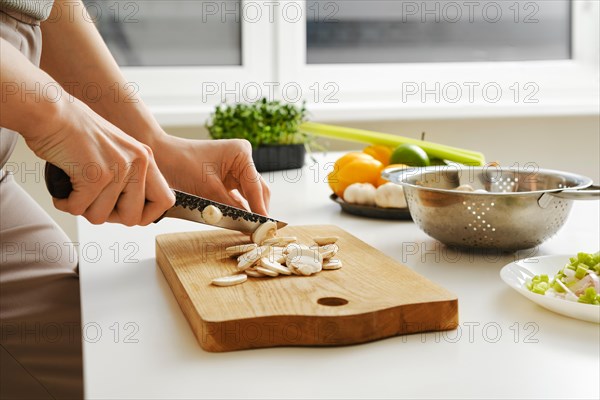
x: 371, y: 297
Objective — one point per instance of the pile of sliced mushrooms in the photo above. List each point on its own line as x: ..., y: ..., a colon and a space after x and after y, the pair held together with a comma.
x: 270, y: 255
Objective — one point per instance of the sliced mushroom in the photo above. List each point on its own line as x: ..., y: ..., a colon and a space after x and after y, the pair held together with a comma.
x: 254, y: 273
x: 325, y: 240
x: 292, y: 269
x: 294, y: 247
x: 247, y: 260
x: 266, y: 271
x: 230, y: 280
x: 245, y: 263
x: 253, y: 252
x: 328, y: 251
x: 274, y: 266
x: 280, y: 241
x: 234, y: 251
x: 276, y: 255
x: 304, y: 261
x: 265, y: 231
x: 332, y: 263
x: 299, y: 254
x: 306, y: 265
x: 211, y: 214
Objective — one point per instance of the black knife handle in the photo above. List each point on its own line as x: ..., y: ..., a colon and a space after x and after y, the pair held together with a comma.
x: 57, y: 181
x: 59, y: 184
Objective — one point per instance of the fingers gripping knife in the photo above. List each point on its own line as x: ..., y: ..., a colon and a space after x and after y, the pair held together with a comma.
x: 187, y: 206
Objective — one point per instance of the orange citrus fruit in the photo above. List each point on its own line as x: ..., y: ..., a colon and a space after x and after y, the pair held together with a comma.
x: 380, y: 153
x: 357, y: 171
x: 332, y: 178
x: 349, y: 157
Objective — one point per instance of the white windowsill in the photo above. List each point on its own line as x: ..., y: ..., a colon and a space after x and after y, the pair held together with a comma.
x: 196, y: 114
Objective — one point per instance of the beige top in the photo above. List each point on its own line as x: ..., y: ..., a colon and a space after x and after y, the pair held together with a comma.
x: 27, y: 38
x: 38, y: 10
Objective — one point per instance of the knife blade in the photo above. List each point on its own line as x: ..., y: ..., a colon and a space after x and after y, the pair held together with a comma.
x: 187, y: 206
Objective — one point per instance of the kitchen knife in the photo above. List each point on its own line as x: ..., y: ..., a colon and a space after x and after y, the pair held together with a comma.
x: 187, y: 206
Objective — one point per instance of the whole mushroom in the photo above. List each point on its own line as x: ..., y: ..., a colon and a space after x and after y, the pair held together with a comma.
x: 390, y: 195
x: 360, y: 193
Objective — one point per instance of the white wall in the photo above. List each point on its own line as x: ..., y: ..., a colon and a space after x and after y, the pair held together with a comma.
x: 570, y: 144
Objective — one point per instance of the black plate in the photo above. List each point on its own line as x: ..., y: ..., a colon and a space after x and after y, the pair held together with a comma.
x: 372, y: 211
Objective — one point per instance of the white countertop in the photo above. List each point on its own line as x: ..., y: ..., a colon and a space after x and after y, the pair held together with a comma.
x: 138, y: 343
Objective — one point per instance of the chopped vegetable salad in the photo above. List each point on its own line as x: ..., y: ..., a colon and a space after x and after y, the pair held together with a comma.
x: 577, y: 281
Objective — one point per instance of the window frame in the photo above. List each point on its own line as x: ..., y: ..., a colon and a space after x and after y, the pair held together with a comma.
x: 274, y: 51
x: 574, y: 93
x: 181, y: 96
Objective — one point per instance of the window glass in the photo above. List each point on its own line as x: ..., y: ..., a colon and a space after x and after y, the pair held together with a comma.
x: 170, y: 32
x: 361, y: 31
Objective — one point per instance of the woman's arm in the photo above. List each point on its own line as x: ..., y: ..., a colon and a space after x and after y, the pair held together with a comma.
x: 25, y: 106
x: 74, y: 54
x: 114, y: 177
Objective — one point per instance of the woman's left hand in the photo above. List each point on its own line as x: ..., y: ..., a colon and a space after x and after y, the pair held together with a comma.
x: 221, y: 170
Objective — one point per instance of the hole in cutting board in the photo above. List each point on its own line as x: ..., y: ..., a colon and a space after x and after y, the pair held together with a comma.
x: 332, y: 301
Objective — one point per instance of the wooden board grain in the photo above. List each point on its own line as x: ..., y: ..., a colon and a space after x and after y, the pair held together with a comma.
x: 381, y: 297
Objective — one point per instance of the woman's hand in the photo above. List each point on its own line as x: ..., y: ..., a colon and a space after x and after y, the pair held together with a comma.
x: 221, y: 170
x: 115, y: 178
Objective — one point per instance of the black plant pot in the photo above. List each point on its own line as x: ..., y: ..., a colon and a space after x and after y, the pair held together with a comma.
x: 279, y: 157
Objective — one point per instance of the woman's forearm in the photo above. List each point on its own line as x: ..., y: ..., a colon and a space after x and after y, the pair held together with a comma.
x: 74, y: 53
x: 30, y: 98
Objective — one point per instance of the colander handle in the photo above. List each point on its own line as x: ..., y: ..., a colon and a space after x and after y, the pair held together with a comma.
x: 589, y: 193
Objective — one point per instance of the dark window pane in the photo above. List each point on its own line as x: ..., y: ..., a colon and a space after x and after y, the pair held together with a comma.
x: 437, y: 31
x: 170, y: 32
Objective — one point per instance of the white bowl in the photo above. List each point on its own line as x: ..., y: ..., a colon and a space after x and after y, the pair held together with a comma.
x: 516, y: 274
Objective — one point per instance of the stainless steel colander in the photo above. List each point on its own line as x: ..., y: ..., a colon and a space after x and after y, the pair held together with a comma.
x: 520, y: 208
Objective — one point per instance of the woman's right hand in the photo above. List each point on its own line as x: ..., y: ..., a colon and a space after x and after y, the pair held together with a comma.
x: 114, y: 177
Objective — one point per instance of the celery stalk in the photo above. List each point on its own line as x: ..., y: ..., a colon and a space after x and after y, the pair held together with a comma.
x: 434, y: 150
x: 590, y: 297
x: 580, y: 271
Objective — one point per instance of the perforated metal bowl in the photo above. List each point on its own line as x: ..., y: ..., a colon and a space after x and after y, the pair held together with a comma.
x: 521, y: 208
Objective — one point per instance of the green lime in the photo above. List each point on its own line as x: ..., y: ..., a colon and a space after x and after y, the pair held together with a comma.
x: 437, y: 162
x: 411, y: 155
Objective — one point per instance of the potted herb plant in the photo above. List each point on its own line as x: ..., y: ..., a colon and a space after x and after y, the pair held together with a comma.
x: 272, y: 127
